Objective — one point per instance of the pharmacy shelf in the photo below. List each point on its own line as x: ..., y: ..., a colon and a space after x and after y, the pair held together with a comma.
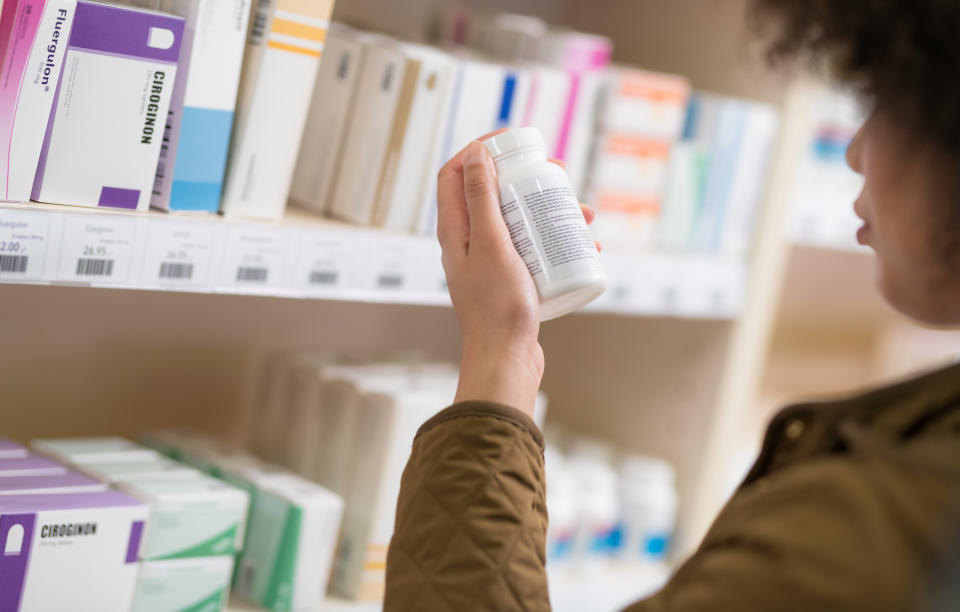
x: 831, y: 292
x: 600, y: 587
x: 604, y: 587
x: 304, y: 256
x: 330, y: 605
x: 815, y: 233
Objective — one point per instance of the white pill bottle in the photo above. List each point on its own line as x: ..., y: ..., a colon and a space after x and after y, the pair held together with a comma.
x: 546, y: 224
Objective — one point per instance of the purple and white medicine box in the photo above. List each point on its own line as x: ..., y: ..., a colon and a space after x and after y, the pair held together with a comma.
x: 106, y: 127
x: 30, y: 465
x: 69, y: 551
x: 67, y: 482
x: 10, y: 449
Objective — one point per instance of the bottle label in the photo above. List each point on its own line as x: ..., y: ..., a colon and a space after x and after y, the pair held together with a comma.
x: 548, y: 229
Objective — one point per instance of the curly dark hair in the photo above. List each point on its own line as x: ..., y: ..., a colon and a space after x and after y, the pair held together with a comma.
x: 902, y: 56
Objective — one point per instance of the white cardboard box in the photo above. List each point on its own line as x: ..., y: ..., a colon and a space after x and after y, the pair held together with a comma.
x: 93, y: 450
x: 196, y: 517
x: 159, y: 469
x: 389, y: 422
x: 330, y: 110
x: 291, y: 541
x: 279, y: 69
x: 191, y: 168
x: 413, y: 150
x: 364, y: 154
x: 200, y: 583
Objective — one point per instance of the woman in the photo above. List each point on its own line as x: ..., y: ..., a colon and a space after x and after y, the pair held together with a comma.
x: 852, y: 504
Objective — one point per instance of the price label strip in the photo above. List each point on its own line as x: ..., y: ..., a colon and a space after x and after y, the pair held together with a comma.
x: 96, y: 249
x: 254, y: 259
x: 24, y: 240
x: 179, y: 254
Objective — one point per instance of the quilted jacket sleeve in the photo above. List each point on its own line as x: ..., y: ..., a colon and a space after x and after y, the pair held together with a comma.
x: 471, y: 517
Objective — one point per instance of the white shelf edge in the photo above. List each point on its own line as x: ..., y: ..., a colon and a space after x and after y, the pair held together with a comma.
x: 602, y: 586
x: 304, y: 256
x: 329, y: 605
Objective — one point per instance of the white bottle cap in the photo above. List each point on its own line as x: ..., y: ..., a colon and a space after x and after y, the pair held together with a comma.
x: 513, y: 140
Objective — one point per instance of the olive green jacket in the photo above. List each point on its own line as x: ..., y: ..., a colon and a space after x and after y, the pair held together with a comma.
x: 851, y: 505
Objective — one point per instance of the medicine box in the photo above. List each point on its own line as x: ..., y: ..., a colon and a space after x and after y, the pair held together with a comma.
x: 644, y: 103
x: 292, y: 537
x: 190, y: 517
x: 10, y: 449
x: 199, y: 584
x: 330, y: 110
x: 158, y: 469
x: 193, y: 161
x: 166, y: 442
x: 413, y: 147
x: 33, y: 40
x: 30, y: 465
x: 106, y: 128
x: 69, y: 552
x: 282, y: 54
x: 93, y: 450
x: 203, y: 453
x: 389, y: 421
x: 378, y: 94
x: 67, y: 482
x: 478, y: 94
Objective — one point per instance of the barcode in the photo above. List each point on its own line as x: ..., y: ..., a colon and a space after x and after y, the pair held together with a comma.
x: 94, y: 267
x: 389, y: 281
x: 176, y: 270
x: 323, y: 278
x: 161, y: 172
x: 13, y: 264
x: 247, y: 575
x: 261, y: 19
x: 252, y: 275
x: 344, y: 66
x: 387, y: 78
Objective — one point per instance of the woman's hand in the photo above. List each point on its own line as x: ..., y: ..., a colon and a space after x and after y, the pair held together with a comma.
x: 493, y: 294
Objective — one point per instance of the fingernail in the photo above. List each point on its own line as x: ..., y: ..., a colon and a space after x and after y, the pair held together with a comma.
x: 476, y: 153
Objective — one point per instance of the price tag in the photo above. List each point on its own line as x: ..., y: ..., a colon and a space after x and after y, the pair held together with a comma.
x: 24, y: 236
x: 327, y: 261
x: 254, y: 258
x: 179, y: 253
x: 390, y: 259
x: 96, y: 248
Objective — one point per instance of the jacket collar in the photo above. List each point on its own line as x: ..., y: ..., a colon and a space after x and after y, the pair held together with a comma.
x: 903, y: 408
x: 896, y: 411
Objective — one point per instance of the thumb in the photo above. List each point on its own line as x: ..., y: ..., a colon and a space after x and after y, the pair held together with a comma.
x: 482, y: 194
